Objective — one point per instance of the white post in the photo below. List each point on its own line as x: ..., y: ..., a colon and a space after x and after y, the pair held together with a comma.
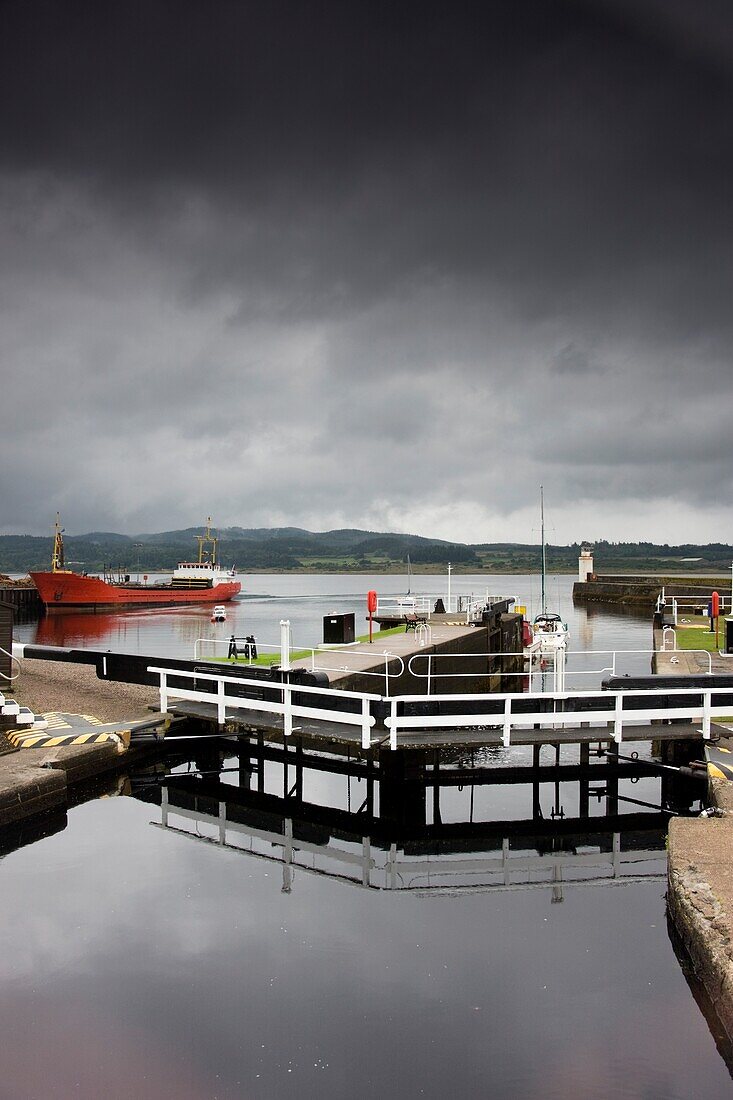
x: 287, y: 710
x: 164, y: 806
x: 450, y: 567
x: 222, y: 822
x: 706, y: 704
x: 507, y: 732
x: 163, y: 692
x: 366, y: 738
x: 285, y: 645
x: 220, y: 706
x: 618, y: 719
x: 393, y: 725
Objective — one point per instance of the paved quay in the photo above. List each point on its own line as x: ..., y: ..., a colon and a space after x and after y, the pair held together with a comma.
x: 34, y: 780
x: 700, y: 865
x: 456, y: 646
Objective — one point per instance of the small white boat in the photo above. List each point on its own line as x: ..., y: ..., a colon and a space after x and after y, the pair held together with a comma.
x: 219, y: 614
x: 550, y: 632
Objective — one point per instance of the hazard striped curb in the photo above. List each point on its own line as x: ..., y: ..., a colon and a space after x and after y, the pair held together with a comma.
x: 719, y: 761
x: 23, y: 739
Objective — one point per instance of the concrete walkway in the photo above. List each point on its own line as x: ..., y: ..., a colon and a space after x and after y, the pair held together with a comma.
x: 700, y: 866
x: 37, y: 779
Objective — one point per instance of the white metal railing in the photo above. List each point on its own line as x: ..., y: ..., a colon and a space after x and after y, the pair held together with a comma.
x: 13, y: 660
x: 681, y: 601
x: 466, y: 606
x: 504, y: 711
x: 507, y: 719
x: 316, y: 656
x: 431, y: 659
x: 284, y: 707
x: 384, y: 673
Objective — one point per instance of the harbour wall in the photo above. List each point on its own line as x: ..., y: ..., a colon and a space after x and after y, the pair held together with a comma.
x: 643, y: 589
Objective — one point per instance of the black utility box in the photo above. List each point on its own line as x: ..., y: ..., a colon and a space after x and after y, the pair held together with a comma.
x: 338, y: 629
x: 729, y: 634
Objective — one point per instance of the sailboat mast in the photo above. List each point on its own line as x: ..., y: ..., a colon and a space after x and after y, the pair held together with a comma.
x: 544, y: 560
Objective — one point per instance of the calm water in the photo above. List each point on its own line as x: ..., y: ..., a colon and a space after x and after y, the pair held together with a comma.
x: 139, y: 961
x: 304, y: 600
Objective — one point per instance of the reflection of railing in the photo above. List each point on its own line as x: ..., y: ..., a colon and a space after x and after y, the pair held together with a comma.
x: 365, y: 864
x: 337, y: 702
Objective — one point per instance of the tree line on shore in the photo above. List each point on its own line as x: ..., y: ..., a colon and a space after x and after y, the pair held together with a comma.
x: 347, y: 551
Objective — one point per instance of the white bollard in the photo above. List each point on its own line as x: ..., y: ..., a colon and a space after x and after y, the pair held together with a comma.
x: 285, y: 645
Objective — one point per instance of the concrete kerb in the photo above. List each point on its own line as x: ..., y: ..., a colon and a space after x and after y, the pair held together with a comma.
x: 700, y: 876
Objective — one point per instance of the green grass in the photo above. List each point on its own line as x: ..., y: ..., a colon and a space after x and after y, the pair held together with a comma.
x: 267, y: 659
x: 699, y: 637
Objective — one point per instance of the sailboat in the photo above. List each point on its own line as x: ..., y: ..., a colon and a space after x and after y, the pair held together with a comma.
x: 407, y: 602
x: 548, y: 628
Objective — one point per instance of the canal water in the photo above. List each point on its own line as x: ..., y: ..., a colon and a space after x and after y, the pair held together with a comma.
x: 138, y: 960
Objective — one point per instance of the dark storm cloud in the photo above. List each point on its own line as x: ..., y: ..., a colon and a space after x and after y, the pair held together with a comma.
x: 364, y: 262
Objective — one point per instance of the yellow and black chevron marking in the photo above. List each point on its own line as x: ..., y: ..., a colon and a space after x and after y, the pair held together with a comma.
x: 72, y: 729
x: 720, y: 762
x: 25, y: 739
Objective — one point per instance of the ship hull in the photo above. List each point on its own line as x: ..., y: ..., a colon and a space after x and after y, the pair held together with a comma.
x: 62, y: 589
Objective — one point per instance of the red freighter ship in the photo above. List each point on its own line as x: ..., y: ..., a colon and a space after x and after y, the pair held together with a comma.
x: 202, y: 581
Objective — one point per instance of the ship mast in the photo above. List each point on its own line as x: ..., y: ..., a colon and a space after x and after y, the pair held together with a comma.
x: 57, y: 557
x: 544, y: 559
x: 203, y: 540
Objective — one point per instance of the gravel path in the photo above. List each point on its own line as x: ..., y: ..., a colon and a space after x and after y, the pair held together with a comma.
x: 75, y: 689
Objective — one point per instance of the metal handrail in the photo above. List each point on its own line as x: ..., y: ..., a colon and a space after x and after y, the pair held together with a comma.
x: 388, y: 658
x: 611, y: 669
x: 506, y: 717
x: 286, y: 708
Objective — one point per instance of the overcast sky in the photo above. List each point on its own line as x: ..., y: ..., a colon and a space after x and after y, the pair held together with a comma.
x: 379, y: 264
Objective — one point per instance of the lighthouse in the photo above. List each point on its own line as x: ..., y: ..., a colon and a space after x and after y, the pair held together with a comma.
x: 585, y: 563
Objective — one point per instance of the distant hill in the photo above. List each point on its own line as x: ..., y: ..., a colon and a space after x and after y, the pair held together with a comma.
x: 348, y: 550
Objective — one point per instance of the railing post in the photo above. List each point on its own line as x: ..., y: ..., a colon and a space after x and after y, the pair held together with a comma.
x: 287, y: 710
x: 163, y: 692
x: 386, y: 674
x: 618, y: 718
x: 220, y: 704
x: 507, y: 731
x: 706, y: 705
x: 366, y: 738
x: 285, y: 645
x: 430, y: 665
x: 393, y: 724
